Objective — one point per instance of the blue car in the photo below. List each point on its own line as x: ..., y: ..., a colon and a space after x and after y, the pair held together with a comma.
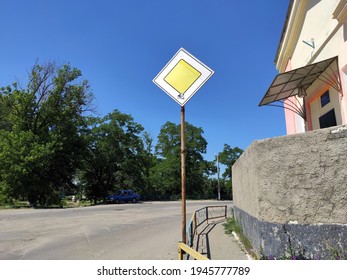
x: 123, y: 196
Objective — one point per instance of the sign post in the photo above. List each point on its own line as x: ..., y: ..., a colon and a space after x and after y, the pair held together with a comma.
x: 181, y: 78
x: 183, y: 175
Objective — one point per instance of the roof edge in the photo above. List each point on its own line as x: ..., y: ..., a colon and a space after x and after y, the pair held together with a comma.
x: 284, y: 30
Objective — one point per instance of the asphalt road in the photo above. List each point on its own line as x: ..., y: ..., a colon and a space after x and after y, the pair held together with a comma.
x: 142, y: 231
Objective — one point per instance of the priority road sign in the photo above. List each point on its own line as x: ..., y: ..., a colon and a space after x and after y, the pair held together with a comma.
x: 182, y: 76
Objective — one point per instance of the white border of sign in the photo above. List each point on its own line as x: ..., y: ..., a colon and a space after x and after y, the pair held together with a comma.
x: 205, y: 71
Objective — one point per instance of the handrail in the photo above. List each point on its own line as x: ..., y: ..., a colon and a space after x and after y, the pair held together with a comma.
x: 184, y: 248
x: 198, y: 218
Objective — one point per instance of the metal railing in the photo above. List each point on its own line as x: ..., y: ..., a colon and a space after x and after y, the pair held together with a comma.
x: 199, y: 217
x: 184, y: 248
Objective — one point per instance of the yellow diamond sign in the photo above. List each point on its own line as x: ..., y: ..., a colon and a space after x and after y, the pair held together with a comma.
x: 182, y: 76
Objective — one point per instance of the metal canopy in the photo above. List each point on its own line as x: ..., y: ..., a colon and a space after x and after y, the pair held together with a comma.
x: 296, y: 82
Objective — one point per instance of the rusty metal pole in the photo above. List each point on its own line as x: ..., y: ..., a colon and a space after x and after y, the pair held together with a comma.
x: 183, y: 174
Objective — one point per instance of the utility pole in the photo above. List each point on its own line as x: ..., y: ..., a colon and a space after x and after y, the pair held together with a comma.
x: 218, y: 176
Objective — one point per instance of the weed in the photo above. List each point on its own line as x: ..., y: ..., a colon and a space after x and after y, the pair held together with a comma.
x: 230, y: 226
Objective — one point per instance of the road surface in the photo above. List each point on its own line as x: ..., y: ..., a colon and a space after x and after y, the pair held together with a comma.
x: 142, y: 231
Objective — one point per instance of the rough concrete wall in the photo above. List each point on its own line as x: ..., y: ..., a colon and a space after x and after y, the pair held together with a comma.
x: 299, y: 178
x: 311, y: 241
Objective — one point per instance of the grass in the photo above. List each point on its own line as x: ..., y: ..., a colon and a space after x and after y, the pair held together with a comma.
x: 230, y: 226
x: 65, y: 203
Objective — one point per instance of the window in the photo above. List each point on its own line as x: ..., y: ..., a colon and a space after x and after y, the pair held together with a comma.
x: 328, y: 119
x: 325, y: 99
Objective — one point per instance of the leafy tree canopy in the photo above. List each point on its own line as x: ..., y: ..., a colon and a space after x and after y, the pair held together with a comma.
x: 228, y: 157
x: 116, y: 157
x: 50, y: 145
x: 40, y: 133
x: 166, y: 174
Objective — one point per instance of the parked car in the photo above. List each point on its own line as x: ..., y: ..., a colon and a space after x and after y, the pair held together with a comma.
x: 123, y: 196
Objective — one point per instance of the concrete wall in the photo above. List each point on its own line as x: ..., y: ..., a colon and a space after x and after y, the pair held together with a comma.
x: 288, y: 187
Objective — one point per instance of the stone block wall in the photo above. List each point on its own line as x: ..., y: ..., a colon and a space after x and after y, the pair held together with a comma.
x: 290, y: 192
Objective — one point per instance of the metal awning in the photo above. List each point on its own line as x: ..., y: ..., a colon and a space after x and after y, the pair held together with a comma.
x: 297, y: 81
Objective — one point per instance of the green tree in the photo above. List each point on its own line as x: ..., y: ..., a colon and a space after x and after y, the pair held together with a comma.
x: 166, y: 174
x: 150, y: 160
x: 116, y: 156
x: 41, y: 128
x: 228, y: 157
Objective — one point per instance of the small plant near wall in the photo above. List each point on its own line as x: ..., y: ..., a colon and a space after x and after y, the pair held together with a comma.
x: 338, y: 254
x: 300, y: 255
x: 232, y: 226
x: 290, y: 255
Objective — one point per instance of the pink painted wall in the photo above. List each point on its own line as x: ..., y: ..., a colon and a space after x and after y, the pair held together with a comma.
x: 290, y: 118
x: 289, y: 115
x: 343, y: 76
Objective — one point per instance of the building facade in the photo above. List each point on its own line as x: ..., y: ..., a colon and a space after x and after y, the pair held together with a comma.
x: 314, y: 31
x: 289, y: 192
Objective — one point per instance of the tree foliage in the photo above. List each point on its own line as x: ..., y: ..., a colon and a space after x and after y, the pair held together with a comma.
x: 228, y: 157
x: 50, y: 145
x: 40, y: 133
x: 166, y: 174
x: 116, y: 157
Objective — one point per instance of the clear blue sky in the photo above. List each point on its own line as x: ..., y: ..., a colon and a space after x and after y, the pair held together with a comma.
x: 121, y: 45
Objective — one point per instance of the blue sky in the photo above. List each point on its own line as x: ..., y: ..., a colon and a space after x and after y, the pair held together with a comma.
x: 121, y: 45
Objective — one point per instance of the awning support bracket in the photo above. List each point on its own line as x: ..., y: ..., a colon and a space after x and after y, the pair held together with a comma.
x: 291, y: 106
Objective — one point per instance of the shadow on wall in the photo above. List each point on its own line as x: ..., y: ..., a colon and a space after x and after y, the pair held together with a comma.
x: 311, y: 4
